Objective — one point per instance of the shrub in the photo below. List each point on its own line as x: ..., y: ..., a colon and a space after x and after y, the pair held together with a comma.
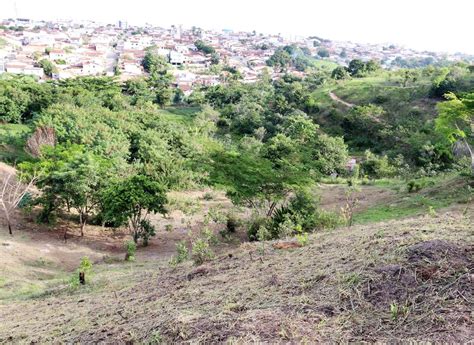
x: 414, y: 186
x: 84, y: 269
x: 254, y: 224
x: 26, y: 202
x: 303, y: 238
x: 209, y: 236
x: 147, y: 231
x: 208, y: 196
x: 327, y: 220
x: 376, y: 166
x: 300, y: 213
x: 182, y: 254
x: 201, y: 252
x: 232, y: 223
x: 131, y: 249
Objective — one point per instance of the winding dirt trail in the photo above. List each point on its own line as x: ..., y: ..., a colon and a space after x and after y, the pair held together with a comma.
x: 334, y: 97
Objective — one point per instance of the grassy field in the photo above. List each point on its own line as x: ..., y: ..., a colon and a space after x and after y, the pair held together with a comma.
x: 324, y: 64
x: 183, y: 115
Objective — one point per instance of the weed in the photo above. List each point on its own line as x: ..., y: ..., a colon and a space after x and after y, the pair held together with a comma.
x: 201, y: 252
x: 208, y: 196
x: 432, y: 211
x: 130, y: 248
x: 155, y: 338
x: 209, y: 236
x: 303, y: 238
x: 353, y: 279
x: 397, y: 311
x: 182, y: 254
x: 82, y: 274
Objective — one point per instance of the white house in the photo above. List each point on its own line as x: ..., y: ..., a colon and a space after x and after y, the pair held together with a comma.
x: 92, y: 68
x: 57, y: 54
x: 176, y: 58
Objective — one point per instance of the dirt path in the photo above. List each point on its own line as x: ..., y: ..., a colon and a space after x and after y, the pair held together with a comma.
x: 334, y: 97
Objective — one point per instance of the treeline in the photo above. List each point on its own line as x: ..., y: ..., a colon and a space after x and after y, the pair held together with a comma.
x: 117, y: 152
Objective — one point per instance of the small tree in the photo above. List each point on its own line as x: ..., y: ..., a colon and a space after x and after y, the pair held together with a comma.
x: 71, y: 177
x: 12, y: 192
x: 130, y: 201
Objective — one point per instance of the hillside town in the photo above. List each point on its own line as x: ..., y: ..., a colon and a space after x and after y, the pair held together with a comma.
x: 85, y: 48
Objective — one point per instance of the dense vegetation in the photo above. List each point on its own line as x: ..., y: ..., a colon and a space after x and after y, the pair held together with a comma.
x: 119, y: 147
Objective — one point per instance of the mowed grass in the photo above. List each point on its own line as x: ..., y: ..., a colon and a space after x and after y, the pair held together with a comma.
x: 334, y: 289
x: 12, y: 142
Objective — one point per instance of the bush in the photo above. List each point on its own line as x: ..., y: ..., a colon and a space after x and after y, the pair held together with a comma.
x: 201, y: 252
x: 254, y: 225
x: 131, y: 249
x: 377, y: 167
x: 301, y: 213
x: 232, y: 223
x: 85, y: 268
x: 414, y: 186
x: 208, y: 196
x: 208, y: 235
x: 182, y: 254
x: 327, y: 220
x: 303, y: 239
x: 147, y: 231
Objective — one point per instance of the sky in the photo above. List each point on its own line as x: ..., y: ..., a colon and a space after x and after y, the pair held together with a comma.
x: 436, y: 25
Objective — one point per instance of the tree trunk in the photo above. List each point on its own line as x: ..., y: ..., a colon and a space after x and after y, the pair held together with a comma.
x: 82, y: 221
x: 10, y: 228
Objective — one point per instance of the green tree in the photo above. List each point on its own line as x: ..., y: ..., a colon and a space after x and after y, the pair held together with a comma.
x: 456, y: 121
x: 48, y: 67
x: 340, y: 73
x: 204, y: 47
x: 323, y: 53
x: 153, y: 62
x: 71, y: 177
x: 281, y: 59
x: 130, y: 201
x: 356, y: 68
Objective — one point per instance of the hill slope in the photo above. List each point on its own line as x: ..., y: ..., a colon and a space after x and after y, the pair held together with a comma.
x: 400, y: 280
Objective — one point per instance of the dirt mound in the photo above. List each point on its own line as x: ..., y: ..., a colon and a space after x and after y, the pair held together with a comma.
x: 437, y: 250
x: 434, y: 278
x: 441, y: 262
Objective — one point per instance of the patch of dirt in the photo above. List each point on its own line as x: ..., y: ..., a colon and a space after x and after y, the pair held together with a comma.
x: 333, y: 197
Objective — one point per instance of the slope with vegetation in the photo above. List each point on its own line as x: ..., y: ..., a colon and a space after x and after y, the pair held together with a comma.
x: 108, y: 158
x: 400, y: 280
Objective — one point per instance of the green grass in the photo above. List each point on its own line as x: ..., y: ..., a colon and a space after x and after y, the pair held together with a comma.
x: 324, y: 64
x: 443, y: 194
x: 179, y: 114
x: 3, y: 43
x: 12, y: 142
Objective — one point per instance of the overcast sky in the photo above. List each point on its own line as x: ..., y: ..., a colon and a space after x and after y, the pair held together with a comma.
x: 440, y: 25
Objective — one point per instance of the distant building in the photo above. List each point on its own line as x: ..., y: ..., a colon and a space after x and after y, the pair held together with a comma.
x: 176, y: 58
x: 122, y: 24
